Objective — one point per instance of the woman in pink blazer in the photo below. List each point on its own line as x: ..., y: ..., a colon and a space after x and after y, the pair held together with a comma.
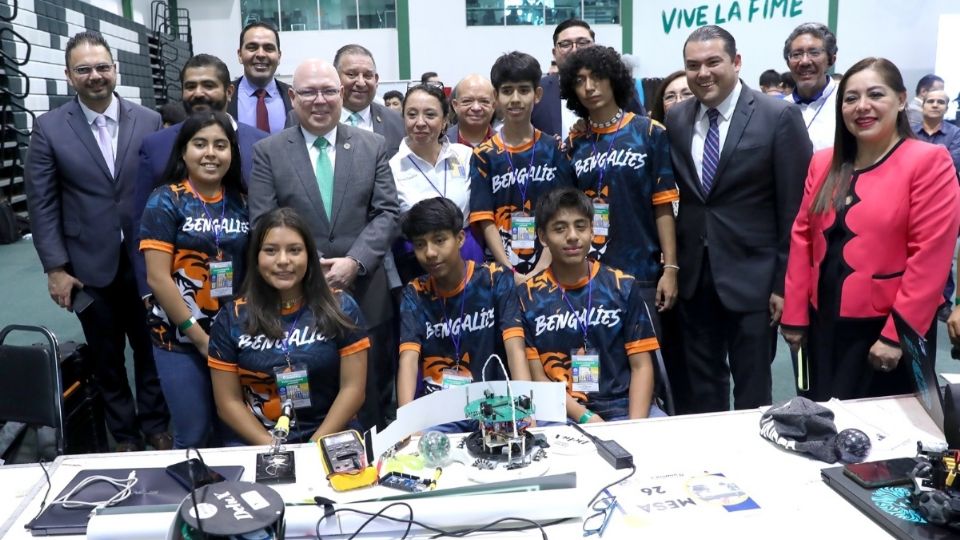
x: 875, y: 234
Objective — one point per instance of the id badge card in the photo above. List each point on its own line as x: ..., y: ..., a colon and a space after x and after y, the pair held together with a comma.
x: 585, y: 370
x: 523, y: 231
x: 452, y: 378
x: 292, y: 384
x: 221, y: 278
x: 601, y: 218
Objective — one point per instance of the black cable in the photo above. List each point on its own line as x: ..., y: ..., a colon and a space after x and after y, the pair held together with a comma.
x: 633, y: 469
x: 439, y: 533
x: 380, y: 513
x: 43, y: 502
x: 193, y: 491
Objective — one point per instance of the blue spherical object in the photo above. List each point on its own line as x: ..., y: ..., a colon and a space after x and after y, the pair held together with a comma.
x: 434, y: 448
x: 853, y: 445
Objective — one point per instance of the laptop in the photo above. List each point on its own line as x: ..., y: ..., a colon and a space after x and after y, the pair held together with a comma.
x: 888, y: 507
x: 921, y: 357
x: 154, y: 487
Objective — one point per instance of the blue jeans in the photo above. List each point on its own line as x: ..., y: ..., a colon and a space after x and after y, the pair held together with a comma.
x: 185, y: 380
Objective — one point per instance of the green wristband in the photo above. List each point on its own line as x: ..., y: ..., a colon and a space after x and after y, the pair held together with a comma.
x: 585, y: 417
x: 186, y: 324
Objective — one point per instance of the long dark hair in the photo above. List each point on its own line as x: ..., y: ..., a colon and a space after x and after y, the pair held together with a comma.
x: 176, y: 170
x: 263, y: 301
x: 657, y: 110
x: 833, y: 193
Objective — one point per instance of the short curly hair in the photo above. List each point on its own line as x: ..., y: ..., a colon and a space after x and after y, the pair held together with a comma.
x: 604, y: 63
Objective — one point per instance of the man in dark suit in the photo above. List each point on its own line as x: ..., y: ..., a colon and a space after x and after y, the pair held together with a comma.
x: 79, y: 176
x: 550, y: 114
x: 206, y: 86
x: 352, y: 215
x: 260, y: 100
x: 740, y: 159
x: 358, y: 75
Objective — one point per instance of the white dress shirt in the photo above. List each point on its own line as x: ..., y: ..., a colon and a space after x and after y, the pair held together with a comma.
x: 702, y: 125
x: 331, y: 137
x: 366, y: 118
x: 113, y: 121
x: 820, y: 116
x: 449, y: 177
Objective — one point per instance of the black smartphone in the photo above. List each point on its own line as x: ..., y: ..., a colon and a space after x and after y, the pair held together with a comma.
x: 80, y: 300
x: 202, y: 475
x: 887, y: 472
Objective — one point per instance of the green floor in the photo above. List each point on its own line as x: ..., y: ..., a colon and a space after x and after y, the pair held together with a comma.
x: 24, y: 300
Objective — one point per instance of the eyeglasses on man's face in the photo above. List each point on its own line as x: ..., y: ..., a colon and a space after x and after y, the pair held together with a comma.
x: 813, y: 54
x: 310, y: 94
x: 102, y: 69
x: 568, y: 43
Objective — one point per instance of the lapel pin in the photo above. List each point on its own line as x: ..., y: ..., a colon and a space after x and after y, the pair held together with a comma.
x: 346, y: 146
x: 381, y: 120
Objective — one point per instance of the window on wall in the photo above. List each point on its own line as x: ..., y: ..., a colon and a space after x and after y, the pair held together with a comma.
x: 301, y: 15
x: 540, y: 12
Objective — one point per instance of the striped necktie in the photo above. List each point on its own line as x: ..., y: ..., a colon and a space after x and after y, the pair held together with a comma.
x: 711, y: 153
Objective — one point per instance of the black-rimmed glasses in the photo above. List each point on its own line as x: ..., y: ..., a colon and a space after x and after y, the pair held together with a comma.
x: 596, y: 523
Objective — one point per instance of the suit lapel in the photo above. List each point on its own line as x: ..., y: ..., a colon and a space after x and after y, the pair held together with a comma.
x: 377, y: 119
x: 78, y: 122
x: 305, y: 172
x: 738, y: 122
x: 342, y: 170
x: 689, y: 118
x: 128, y: 122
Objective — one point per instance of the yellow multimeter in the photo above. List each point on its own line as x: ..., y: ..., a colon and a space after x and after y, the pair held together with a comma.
x: 345, y: 461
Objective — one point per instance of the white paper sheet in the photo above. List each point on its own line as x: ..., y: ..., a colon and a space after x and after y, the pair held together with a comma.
x: 549, y: 401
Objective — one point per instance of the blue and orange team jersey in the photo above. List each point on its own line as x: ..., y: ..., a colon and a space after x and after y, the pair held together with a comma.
x: 480, y: 314
x: 506, y: 179
x: 174, y: 221
x: 619, y: 326
x: 631, y: 166
x: 254, y: 357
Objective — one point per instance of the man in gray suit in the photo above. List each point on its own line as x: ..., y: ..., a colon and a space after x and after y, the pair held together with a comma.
x: 358, y: 74
x: 740, y: 159
x: 353, y: 216
x: 79, y: 176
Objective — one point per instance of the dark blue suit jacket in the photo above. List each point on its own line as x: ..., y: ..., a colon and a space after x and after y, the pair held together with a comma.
x: 546, y: 114
x: 77, y: 209
x: 154, y: 154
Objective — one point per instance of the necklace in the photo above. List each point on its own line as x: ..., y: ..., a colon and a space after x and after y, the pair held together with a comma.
x: 609, y: 123
x: 288, y: 304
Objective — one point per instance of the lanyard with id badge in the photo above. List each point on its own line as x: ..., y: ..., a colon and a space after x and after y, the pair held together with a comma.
x: 601, y: 208
x: 221, y: 271
x: 292, y: 381
x: 451, y: 377
x: 523, y: 229
x: 585, y: 361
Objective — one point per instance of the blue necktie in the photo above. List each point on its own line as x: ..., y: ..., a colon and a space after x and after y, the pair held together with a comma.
x: 711, y: 153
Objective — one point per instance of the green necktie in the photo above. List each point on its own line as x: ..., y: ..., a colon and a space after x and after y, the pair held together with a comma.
x: 324, y: 171
x: 354, y: 119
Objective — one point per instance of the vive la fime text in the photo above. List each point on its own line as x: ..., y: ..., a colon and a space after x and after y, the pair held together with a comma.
x: 724, y: 12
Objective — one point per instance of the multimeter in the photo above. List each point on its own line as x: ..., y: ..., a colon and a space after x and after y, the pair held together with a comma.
x: 345, y: 461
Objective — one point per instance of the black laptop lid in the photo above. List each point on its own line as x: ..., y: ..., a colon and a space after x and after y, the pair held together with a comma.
x: 154, y: 487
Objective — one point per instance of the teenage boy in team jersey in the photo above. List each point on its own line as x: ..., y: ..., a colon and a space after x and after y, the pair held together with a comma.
x: 606, y: 364
x: 458, y: 314
x: 511, y: 171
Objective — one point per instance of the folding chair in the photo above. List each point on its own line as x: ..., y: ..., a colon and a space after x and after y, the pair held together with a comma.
x: 33, y: 391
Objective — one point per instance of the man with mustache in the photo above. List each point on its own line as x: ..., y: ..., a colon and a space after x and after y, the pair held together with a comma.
x: 810, y: 51
x: 79, y: 177
x: 358, y: 75
x: 206, y: 86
